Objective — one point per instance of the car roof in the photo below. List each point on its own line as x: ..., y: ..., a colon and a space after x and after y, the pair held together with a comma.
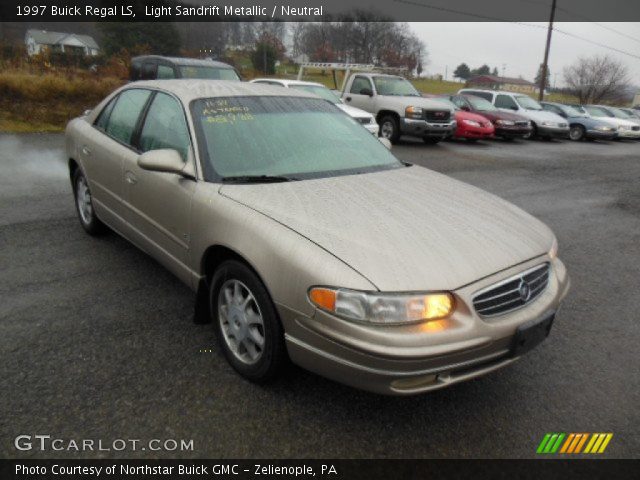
x: 191, y: 89
x: 184, y: 61
x: 287, y: 82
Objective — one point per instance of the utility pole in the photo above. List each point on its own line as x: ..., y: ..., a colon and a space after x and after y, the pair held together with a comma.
x: 543, y: 76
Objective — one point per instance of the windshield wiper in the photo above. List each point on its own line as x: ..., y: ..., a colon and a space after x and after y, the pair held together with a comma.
x: 258, y: 179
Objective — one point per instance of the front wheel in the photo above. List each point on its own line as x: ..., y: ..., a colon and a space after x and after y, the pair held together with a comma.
x: 84, y: 205
x: 576, y: 132
x: 532, y: 134
x: 390, y: 128
x: 246, y: 322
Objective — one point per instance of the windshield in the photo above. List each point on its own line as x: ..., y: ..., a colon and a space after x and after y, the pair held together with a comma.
x: 620, y: 113
x: 294, y: 137
x: 528, y: 103
x: 570, y: 111
x: 210, y: 73
x: 480, y: 104
x: 320, y: 91
x: 597, y: 112
x: 395, y: 86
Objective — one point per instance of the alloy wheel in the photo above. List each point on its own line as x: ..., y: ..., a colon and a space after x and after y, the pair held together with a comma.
x: 83, y: 199
x: 241, y: 321
x: 387, y: 130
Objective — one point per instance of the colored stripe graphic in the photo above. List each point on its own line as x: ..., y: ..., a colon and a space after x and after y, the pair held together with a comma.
x: 573, y: 443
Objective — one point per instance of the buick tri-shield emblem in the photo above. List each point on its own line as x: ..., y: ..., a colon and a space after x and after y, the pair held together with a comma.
x: 524, y: 290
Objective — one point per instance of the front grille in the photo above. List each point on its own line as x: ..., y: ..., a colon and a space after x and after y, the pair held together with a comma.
x: 512, y: 293
x: 522, y: 123
x: 437, y: 116
x: 364, y: 120
x: 563, y: 125
x: 635, y: 129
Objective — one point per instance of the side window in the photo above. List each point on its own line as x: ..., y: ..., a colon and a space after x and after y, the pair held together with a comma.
x: 505, y: 101
x: 149, y: 71
x: 359, y: 83
x: 165, y: 126
x: 103, y: 118
x: 124, y: 116
x: 486, y: 95
x: 166, y: 72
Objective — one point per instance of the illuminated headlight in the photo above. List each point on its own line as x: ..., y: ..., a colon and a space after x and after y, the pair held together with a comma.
x: 382, y: 308
x: 549, y: 124
x: 471, y: 123
x: 605, y: 128
x: 506, y: 123
x: 553, y: 251
x: 413, y: 112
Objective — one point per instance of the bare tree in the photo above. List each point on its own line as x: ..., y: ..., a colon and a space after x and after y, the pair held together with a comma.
x: 597, y: 78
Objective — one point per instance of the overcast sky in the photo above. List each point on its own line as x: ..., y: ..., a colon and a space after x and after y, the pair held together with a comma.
x: 521, y: 48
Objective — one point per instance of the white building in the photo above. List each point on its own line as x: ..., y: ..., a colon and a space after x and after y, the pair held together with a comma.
x: 39, y: 40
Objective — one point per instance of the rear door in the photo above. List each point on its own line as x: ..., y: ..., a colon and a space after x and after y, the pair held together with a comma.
x: 104, y: 153
x: 158, y: 203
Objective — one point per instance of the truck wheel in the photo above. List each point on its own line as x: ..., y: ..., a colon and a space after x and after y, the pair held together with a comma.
x: 389, y: 128
x: 432, y: 140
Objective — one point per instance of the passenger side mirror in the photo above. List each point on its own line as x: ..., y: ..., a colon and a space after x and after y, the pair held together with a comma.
x: 164, y: 160
x: 366, y: 91
x: 386, y: 142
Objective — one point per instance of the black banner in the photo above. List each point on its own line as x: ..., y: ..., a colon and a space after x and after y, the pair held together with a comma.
x: 315, y: 10
x: 320, y: 469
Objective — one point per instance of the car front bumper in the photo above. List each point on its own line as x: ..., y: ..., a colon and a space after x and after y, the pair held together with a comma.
x: 553, y: 132
x: 473, y: 132
x: 412, y: 359
x: 512, y: 132
x: 634, y: 134
x: 422, y: 128
x: 601, y: 135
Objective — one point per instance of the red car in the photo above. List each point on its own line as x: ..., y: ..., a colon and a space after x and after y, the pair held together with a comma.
x: 470, y: 126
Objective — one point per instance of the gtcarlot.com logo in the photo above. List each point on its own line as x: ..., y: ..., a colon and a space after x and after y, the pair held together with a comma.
x: 49, y: 443
x: 568, y: 443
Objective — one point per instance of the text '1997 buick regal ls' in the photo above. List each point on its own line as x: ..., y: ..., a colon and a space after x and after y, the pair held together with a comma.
x: 306, y: 240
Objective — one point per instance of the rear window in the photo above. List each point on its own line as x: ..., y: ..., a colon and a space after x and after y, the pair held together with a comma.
x: 210, y: 73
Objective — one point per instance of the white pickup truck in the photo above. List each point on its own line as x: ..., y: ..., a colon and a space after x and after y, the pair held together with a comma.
x: 399, y: 108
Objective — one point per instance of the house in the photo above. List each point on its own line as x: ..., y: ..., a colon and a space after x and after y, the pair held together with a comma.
x: 38, y: 41
x: 494, y: 82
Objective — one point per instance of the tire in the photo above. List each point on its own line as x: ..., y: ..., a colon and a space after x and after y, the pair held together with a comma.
x: 533, y: 134
x: 390, y: 128
x: 432, y: 140
x: 84, y: 205
x: 576, y: 133
x: 251, y: 337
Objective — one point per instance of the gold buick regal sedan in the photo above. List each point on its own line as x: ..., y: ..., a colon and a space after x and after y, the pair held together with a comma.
x: 305, y: 239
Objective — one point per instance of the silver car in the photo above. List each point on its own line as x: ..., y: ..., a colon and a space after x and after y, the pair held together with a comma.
x: 332, y: 254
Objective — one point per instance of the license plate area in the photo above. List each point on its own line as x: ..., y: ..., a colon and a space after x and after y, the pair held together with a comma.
x: 530, y: 334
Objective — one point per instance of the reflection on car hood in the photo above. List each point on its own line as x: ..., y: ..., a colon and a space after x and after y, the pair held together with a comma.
x: 403, y: 229
x: 353, y: 111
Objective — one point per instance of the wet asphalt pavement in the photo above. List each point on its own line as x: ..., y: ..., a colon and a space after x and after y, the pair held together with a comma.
x: 97, y: 342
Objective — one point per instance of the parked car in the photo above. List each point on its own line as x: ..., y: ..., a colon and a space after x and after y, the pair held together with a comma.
x: 626, y: 128
x: 545, y: 125
x: 633, y: 112
x: 581, y: 126
x: 312, y: 250
x: 367, y: 120
x: 398, y: 107
x: 470, y: 126
x: 506, y: 124
x: 151, y: 67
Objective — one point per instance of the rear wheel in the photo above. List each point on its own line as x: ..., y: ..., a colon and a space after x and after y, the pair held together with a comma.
x: 576, y: 132
x: 246, y: 322
x: 84, y: 205
x: 390, y: 128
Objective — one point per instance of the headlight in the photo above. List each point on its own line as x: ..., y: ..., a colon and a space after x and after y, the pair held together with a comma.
x: 507, y: 123
x: 413, y: 112
x: 471, y: 123
x: 549, y: 124
x: 604, y: 128
x: 382, y: 308
x: 553, y: 251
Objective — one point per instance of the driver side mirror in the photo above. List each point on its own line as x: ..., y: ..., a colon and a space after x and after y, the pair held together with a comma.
x: 164, y: 160
x: 366, y: 91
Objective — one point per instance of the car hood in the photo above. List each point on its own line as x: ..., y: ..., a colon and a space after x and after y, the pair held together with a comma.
x: 500, y: 115
x: 463, y: 115
x: 353, y: 111
x: 405, y: 229
x: 618, y: 122
x: 542, y: 116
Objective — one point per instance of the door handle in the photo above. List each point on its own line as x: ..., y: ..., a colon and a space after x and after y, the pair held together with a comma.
x: 86, y: 150
x: 348, y: 99
x: 130, y: 178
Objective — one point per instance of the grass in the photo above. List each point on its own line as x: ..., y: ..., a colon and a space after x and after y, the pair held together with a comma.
x: 46, y: 102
